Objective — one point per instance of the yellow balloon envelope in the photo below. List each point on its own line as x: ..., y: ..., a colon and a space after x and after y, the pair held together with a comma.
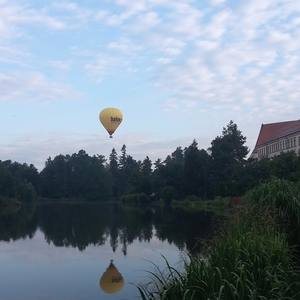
x: 111, y: 281
x: 111, y: 118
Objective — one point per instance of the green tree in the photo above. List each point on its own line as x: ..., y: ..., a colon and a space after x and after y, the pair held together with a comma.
x: 168, y: 194
x: 145, y: 179
x: 196, y: 171
x: 18, y: 181
x: 114, y: 171
x: 76, y: 176
x: 228, y: 153
x: 174, y: 171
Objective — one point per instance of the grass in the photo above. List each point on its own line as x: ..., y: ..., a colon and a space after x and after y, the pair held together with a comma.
x: 251, y: 260
x: 220, y: 205
x: 279, y: 194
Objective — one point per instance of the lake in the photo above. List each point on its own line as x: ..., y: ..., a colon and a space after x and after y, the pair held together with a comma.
x: 61, y: 251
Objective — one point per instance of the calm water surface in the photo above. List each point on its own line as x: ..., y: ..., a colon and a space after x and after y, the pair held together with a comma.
x: 60, y: 251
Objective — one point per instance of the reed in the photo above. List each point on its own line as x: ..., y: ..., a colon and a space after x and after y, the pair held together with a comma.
x: 250, y: 260
x: 280, y: 194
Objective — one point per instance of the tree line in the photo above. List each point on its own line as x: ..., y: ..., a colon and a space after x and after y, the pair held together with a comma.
x: 221, y: 170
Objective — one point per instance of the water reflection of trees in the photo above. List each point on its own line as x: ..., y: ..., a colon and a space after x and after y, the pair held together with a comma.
x: 17, y: 225
x: 79, y: 225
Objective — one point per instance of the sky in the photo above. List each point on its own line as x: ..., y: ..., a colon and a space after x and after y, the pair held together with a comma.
x: 178, y: 70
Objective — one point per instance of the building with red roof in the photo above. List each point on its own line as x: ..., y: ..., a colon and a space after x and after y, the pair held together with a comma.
x: 275, y: 138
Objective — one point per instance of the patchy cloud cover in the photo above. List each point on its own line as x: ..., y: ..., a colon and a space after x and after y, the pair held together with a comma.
x: 216, y: 58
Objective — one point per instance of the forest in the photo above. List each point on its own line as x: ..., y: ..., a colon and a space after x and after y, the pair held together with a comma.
x: 222, y: 170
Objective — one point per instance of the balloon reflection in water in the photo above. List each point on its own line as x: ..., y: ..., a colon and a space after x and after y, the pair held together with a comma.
x: 112, y: 280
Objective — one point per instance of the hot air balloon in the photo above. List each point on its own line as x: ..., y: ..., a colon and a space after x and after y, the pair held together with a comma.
x: 111, y: 118
x: 111, y: 281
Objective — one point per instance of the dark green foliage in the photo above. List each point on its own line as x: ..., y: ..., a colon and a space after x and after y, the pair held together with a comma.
x: 76, y: 176
x: 284, y: 196
x: 286, y: 166
x: 114, y: 171
x: 251, y: 260
x: 18, y: 181
x: 138, y: 199
x: 168, y: 194
x: 280, y: 194
x: 197, y: 165
x: 228, y: 153
x: 145, y: 178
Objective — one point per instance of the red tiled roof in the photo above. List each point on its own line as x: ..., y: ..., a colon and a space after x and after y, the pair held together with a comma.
x: 273, y: 131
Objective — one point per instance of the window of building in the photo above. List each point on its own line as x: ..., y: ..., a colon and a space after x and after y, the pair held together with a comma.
x: 294, y: 141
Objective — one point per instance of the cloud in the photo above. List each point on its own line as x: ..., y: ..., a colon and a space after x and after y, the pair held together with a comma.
x: 240, y: 56
x: 16, y: 23
x: 13, y: 55
x: 124, y: 46
x: 60, y: 65
x: 144, y: 22
x: 227, y: 56
x: 14, y: 16
x: 217, y: 2
x: 33, y: 86
x: 102, y: 65
x: 220, y: 54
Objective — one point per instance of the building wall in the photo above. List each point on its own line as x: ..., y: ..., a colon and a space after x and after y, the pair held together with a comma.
x: 274, y: 148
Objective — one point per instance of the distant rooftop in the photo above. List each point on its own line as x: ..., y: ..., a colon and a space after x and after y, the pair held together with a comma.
x: 274, y: 131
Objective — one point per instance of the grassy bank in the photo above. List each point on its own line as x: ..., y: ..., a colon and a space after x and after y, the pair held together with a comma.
x: 219, y: 205
x: 251, y: 259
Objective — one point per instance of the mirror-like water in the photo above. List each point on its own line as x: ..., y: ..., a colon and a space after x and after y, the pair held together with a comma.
x: 63, y: 251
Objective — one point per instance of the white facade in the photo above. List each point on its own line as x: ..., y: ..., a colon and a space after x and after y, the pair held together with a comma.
x: 275, y: 147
